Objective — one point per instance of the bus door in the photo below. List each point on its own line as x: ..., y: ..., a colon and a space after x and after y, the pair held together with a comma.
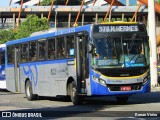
x: 16, y: 67
x: 82, y: 62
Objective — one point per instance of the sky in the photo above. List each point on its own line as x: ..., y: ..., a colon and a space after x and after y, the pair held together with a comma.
x: 4, y: 3
x: 130, y: 2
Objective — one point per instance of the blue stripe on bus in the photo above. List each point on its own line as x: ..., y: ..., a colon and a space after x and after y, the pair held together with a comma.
x: 43, y: 62
x: 10, y: 65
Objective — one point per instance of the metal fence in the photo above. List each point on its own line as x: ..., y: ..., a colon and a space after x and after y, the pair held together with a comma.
x: 9, y: 25
x: 66, y: 24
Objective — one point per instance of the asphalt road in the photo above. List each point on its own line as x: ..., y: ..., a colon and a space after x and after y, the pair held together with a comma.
x: 143, y: 106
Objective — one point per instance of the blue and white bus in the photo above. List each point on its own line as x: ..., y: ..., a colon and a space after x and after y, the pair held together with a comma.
x: 2, y: 67
x: 109, y: 59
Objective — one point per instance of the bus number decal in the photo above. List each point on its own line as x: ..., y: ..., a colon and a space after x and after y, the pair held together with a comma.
x: 118, y: 28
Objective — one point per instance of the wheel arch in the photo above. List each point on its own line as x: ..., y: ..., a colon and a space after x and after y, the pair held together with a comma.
x: 27, y: 79
x: 70, y: 80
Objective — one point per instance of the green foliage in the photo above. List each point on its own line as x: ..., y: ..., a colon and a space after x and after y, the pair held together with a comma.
x: 31, y: 24
x: 60, y: 2
x: 100, y: 20
x: 46, y: 2
x: 6, y: 35
x: 158, y: 1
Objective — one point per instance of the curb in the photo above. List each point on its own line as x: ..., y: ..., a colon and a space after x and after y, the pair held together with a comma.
x: 155, y: 89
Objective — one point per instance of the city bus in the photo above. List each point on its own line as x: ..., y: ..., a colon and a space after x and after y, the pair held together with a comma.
x: 110, y: 59
x: 2, y: 67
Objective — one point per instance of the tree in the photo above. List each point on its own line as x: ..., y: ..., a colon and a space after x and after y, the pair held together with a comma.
x: 6, y: 35
x: 60, y: 2
x: 31, y: 24
x: 158, y: 1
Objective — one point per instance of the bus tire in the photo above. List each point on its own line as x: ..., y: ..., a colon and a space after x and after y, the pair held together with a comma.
x: 75, y: 98
x: 122, y: 99
x: 29, y: 92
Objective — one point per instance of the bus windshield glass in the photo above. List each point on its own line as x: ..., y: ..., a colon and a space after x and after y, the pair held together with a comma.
x: 120, y: 52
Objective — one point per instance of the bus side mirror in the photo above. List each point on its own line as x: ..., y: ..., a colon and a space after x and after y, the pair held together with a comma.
x: 90, y: 47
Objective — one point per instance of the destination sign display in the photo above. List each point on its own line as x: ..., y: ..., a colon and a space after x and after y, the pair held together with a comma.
x: 119, y: 28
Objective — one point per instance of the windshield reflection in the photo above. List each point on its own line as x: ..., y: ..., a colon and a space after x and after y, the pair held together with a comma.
x: 120, y: 52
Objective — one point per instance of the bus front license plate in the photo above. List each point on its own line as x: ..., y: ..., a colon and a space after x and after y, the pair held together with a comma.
x: 125, y: 88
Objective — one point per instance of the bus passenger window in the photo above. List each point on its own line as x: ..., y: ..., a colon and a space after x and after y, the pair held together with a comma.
x: 24, y: 52
x: 32, y: 51
x: 42, y: 50
x: 10, y: 54
x: 70, y: 46
x: 51, y: 48
x: 60, y: 48
x: 2, y: 55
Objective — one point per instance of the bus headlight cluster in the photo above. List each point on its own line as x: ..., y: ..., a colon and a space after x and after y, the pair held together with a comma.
x: 146, y: 79
x: 99, y: 80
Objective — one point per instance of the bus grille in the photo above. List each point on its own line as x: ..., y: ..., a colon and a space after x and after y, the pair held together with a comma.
x: 119, y: 72
x: 118, y: 87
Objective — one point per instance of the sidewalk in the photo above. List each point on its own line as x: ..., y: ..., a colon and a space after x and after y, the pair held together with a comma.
x: 155, y: 89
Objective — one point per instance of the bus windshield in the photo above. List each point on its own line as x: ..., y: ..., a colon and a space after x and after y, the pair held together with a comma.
x: 120, y: 52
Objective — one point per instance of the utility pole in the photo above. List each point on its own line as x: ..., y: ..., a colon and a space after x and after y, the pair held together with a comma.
x: 153, y: 45
x: 127, y: 2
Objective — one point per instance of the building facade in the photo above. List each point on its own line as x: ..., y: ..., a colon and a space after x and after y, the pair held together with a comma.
x: 87, y: 2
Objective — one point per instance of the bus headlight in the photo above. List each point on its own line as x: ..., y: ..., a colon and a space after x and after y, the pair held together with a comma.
x: 95, y: 78
x: 103, y: 82
x: 99, y: 80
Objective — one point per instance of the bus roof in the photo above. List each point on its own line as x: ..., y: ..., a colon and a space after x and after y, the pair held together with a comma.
x: 51, y: 34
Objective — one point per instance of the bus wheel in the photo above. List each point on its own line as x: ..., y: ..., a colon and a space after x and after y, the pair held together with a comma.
x: 122, y: 99
x: 29, y: 93
x: 75, y: 98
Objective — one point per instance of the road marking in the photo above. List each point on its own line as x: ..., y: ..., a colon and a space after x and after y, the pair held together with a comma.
x: 3, y: 108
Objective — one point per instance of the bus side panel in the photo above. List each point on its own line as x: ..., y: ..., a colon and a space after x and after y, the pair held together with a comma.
x: 28, y: 71
x: 58, y: 74
x: 10, y: 79
x: 54, y: 81
x: 2, y: 77
x: 48, y: 78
